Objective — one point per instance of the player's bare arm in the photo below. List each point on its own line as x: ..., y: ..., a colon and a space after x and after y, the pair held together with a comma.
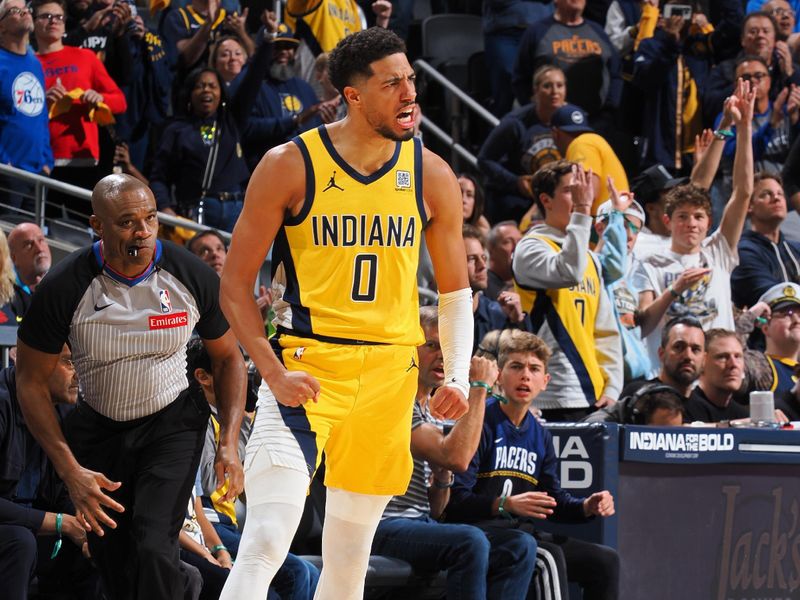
x: 85, y: 487
x: 277, y: 188
x: 443, y: 236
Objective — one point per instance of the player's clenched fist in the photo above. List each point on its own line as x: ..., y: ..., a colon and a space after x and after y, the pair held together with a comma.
x: 294, y: 388
x: 448, y: 403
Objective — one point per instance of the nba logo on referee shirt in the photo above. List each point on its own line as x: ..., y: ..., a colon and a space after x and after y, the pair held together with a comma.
x: 166, y: 305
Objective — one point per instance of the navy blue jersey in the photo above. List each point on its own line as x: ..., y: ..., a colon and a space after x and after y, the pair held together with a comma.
x: 510, y: 460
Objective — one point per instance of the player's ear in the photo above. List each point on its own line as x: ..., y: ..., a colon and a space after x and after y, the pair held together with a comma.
x: 351, y: 95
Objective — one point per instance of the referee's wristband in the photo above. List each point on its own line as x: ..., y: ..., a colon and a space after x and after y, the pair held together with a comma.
x: 481, y: 384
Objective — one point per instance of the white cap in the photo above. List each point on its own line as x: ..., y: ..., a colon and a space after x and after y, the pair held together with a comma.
x: 634, y: 209
x: 782, y: 294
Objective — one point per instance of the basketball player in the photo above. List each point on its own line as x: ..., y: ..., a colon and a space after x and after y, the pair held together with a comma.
x: 345, y: 207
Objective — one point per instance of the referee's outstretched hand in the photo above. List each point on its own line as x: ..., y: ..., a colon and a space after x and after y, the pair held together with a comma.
x: 86, y: 490
x: 448, y: 403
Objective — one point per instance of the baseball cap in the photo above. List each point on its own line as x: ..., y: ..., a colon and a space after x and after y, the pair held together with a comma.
x: 647, y: 185
x: 634, y: 210
x: 781, y: 295
x: 572, y: 119
x: 284, y: 34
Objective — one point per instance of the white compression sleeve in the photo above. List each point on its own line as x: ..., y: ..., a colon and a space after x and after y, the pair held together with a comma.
x: 275, y: 500
x: 350, y: 523
x: 455, y: 337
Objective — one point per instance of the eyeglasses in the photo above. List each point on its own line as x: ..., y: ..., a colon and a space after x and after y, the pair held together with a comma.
x: 49, y: 17
x: 16, y: 11
x: 786, y: 313
x: 750, y: 76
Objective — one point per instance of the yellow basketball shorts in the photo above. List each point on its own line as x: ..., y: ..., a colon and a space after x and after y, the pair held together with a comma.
x: 362, y: 417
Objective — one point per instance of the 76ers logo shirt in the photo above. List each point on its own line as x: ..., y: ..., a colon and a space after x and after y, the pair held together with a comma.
x: 28, y: 94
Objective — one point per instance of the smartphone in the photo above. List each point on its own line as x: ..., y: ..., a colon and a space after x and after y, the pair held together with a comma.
x: 678, y: 10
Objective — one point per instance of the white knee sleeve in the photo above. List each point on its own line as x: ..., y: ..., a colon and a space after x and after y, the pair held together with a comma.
x: 275, y: 500
x: 350, y: 523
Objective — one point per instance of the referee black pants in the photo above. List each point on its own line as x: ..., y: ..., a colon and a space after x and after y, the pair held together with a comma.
x: 156, y: 459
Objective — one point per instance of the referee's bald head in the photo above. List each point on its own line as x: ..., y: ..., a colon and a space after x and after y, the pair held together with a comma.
x: 111, y: 189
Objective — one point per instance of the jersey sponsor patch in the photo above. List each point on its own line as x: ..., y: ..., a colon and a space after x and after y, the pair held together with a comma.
x: 180, y: 319
x: 166, y: 304
x: 28, y: 94
x: 403, y: 180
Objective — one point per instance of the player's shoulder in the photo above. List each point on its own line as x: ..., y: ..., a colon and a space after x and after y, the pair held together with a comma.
x: 435, y: 170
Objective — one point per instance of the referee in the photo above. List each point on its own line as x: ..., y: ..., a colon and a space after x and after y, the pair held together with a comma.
x: 127, y: 306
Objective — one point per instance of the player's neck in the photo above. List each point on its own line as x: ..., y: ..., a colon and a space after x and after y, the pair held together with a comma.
x: 364, y: 149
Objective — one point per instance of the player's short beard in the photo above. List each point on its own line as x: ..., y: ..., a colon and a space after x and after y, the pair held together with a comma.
x: 282, y: 71
x: 395, y: 137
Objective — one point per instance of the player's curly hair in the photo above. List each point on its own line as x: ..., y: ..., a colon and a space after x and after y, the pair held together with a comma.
x: 353, y: 56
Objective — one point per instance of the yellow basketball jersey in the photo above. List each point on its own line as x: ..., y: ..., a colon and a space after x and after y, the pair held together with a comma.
x: 329, y: 22
x: 570, y: 313
x: 349, y: 259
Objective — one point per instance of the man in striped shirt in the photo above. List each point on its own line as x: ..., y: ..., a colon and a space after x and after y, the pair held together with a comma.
x: 127, y: 306
x: 489, y: 564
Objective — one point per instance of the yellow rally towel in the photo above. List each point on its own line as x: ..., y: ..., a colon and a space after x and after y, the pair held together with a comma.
x: 157, y: 5
x: 100, y: 114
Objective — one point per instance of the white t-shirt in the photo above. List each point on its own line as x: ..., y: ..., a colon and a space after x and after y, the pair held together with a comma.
x: 649, y: 243
x: 709, y: 299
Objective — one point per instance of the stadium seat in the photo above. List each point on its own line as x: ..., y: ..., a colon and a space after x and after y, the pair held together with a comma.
x: 449, y: 40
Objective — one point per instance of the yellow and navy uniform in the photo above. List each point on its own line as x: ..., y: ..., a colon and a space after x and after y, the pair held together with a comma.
x: 783, y: 378
x: 566, y: 312
x: 350, y: 256
x: 349, y: 314
x: 325, y: 24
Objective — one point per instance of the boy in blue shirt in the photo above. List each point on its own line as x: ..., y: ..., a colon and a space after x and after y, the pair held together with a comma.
x: 512, y: 480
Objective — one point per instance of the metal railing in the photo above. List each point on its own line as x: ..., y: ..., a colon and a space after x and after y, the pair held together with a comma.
x: 463, y: 99
x: 42, y: 184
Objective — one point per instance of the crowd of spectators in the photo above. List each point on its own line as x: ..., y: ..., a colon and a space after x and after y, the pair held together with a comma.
x: 630, y: 227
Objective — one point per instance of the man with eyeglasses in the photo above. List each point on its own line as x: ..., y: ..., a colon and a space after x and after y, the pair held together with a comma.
x: 782, y: 332
x: 24, y: 135
x: 80, y: 94
x: 488, y: 315
x: 784, y: 13
x: 758, y: 38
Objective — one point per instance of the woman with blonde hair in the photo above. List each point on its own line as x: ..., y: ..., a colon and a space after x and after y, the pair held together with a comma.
x: 521, y: 144
x: 7, y: 279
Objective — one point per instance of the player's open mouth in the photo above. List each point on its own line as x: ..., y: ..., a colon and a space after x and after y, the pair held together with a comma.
x: 406, y: 118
